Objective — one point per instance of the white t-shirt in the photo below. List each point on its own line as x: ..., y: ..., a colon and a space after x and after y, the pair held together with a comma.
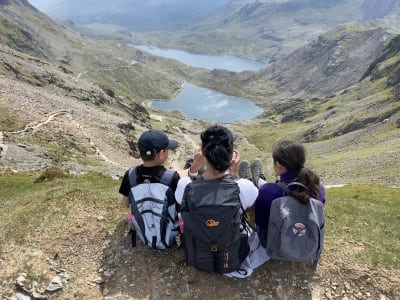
x: 248, y: 192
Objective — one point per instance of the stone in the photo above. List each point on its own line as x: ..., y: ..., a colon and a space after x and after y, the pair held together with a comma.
x: 21, y: 296
x: 55, y: 284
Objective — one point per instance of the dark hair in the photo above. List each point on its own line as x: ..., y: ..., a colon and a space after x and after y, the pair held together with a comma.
x: 217, y: 147
x: 311, y: 181
x: 292, y: 156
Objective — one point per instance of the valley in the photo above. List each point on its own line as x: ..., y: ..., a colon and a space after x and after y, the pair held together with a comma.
x: 72, y: 107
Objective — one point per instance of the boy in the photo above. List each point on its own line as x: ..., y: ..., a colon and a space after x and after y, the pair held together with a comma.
x: 151, y: 187
x: 153, y: 147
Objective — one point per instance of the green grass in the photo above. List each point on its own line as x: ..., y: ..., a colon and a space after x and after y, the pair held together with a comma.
x: 29, y: 201
x: 362, y: 221
x: 9, y: 122
x: 363, y: 225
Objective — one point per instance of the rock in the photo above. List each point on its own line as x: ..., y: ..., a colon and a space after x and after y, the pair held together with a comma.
x: 98, y: 280
x: 114, y: 294
x: 38, y: 296
x: 55, y: 284
x: 21, y: 279
x: 21, y: 296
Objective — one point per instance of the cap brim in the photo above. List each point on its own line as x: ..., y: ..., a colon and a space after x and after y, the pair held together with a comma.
x: 172, y: 145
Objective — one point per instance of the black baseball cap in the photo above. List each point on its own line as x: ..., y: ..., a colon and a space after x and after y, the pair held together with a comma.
x: 153, y: 141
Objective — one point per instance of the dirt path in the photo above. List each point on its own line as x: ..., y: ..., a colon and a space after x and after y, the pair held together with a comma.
x: 35, y: 127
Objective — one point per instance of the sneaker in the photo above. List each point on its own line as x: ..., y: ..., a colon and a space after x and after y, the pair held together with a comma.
x: 256, y: 171
x: 244, y: 169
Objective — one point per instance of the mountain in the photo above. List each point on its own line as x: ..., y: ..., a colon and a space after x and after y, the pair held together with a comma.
x: 258, y: 29
x: 375, y: 9
x: 263, y: 29
x: 90, y: 92
x: 133, y: 15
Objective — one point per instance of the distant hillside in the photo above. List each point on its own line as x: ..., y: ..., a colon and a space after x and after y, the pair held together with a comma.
x: 332, y: 62
x: 259, y: 29
x: 376, y: 9
x: 134, y: 15
x: 111, y: 66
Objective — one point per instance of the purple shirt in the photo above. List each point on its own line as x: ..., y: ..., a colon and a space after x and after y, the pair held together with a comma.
x: 267, y: 193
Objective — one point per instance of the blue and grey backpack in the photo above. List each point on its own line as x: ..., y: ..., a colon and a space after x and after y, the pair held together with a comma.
x: 153, y: 210
x: 296, y: 231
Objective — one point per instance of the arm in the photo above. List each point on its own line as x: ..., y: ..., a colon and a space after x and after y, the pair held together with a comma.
x: 125, y: 204
x: 233, y: 170
x: 198, y: 161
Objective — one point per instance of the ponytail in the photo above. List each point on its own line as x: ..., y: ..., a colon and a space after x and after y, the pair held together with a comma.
x: 312, y: 188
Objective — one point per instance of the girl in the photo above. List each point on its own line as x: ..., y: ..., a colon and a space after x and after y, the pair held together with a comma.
x: 288, y: 159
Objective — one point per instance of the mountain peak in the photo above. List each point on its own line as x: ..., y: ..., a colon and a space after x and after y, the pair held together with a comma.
x: 15, y: 2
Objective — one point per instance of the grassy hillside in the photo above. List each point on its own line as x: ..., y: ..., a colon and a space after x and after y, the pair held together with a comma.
x: 120, y: 68
x: 54, y: 222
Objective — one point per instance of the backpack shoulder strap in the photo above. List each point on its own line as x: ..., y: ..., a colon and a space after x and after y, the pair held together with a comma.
x: 284, y: 188
x: 132, y: 176
x: 167, y: 177
x: 287, y: 187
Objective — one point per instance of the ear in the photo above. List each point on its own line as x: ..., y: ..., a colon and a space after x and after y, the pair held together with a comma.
x: 162, y: 154
x: 279, y: 168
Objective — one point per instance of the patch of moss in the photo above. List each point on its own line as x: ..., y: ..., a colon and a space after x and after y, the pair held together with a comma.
x: 51, y: 174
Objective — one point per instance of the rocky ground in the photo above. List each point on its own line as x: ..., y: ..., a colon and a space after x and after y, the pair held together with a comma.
x: 88, y: 263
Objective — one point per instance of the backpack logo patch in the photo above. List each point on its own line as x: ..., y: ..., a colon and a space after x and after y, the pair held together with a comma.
x: 212, y: 223
x: 299, y: 229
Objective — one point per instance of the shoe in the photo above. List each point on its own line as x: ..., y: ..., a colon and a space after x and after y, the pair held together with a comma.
x: 244, y: 169
x: 256, y: 171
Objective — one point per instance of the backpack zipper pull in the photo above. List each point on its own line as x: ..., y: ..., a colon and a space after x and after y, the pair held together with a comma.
x: 226, y: 263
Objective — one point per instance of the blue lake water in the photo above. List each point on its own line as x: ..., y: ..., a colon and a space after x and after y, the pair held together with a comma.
x: 226, y: 62
x: 205, y: 104
x: 200, y: 103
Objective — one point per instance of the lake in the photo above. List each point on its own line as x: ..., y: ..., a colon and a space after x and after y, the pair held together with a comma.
x: 226, y: 62
x: 200, y: 103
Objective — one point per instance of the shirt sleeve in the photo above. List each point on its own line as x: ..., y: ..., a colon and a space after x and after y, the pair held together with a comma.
x: 248, y: 193
x: 267, y: 193
x: 125, y: 185
x: 180, y: 189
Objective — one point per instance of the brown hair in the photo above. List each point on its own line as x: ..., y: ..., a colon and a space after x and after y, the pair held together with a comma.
x: 292, y: 156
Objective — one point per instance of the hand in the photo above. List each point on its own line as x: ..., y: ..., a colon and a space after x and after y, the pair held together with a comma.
x: 199, y: 161
x: 233, y: 170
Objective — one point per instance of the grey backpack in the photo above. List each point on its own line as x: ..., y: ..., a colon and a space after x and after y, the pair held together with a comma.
x: 296, y: 231
x: 153, y: 210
